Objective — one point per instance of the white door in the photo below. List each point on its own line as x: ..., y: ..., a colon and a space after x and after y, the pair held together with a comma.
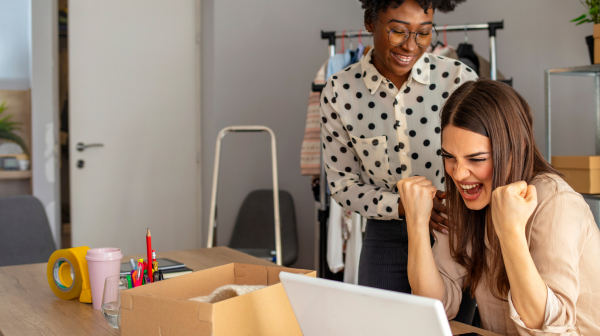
x: 134, y: 88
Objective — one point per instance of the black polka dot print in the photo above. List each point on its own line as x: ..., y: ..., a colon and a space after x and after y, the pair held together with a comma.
x: 376, y: 133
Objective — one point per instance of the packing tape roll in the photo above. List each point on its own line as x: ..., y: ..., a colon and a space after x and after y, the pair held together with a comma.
x: 68, y: 274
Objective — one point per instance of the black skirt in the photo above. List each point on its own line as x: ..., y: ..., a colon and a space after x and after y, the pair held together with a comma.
x: 384, y: 256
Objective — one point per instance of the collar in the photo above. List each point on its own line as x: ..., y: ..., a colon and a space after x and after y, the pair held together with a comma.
x: 420, y: 72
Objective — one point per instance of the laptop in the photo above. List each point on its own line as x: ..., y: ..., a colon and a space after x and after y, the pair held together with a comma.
x: 326, y: 307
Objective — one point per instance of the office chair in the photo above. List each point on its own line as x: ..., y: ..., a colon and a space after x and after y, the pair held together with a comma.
x: 254, y: 231
x: 25, y: 236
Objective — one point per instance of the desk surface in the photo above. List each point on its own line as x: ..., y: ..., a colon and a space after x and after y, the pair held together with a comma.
x: 29, y: 307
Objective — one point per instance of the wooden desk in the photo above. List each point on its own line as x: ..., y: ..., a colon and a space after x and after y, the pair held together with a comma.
x: 29, y: 307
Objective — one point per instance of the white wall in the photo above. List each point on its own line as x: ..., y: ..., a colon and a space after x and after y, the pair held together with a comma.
x: 259, y: 59
x: 15, y: 52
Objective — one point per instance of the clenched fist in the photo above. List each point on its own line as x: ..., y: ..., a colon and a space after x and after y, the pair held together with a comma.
x: 417, y: 195
x: 512, y: 205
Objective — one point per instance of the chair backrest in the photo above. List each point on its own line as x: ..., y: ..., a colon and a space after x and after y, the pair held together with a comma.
x: 25, y: 235
x: 255, y: 224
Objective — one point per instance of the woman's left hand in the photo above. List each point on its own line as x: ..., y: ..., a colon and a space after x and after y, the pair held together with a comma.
x: 512, y: 205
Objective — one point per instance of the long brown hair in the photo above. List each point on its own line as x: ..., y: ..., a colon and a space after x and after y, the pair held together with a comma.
x: 497, y: 111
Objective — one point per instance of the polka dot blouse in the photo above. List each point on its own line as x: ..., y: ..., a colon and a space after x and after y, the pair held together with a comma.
x: 374, y: 133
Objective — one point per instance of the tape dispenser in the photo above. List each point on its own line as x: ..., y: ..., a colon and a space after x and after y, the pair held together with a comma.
x: 68, y: 274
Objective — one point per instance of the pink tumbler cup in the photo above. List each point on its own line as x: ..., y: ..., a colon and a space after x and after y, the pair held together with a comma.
x: 102, y: 263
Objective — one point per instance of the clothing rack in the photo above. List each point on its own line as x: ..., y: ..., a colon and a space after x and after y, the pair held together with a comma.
x: 332, y: 36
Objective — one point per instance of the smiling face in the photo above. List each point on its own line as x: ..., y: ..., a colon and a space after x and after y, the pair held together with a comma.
x: 396, y: 62
x: 468, y: 160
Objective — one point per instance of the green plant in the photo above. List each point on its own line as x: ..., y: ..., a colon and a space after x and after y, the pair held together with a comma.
x: 7, y: 128
x: 593, y: 13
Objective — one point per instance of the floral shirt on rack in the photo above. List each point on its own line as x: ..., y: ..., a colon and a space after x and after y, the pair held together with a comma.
x: 374, y: 133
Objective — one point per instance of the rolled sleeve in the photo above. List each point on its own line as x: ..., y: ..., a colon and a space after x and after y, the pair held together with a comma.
x: 342, y: 166
x: 553, y: 312
x: 554, y: 243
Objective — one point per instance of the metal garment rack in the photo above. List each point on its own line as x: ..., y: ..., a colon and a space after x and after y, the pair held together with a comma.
x: 584, y: 71
x: 332, y: 36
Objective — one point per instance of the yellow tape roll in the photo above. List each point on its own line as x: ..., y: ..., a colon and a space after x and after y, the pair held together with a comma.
x: 68, y: 274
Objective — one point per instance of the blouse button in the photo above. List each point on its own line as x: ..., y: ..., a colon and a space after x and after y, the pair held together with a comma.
x: 404, y: 153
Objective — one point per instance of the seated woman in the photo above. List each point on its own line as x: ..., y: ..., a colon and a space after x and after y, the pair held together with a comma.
x: 525, y: 242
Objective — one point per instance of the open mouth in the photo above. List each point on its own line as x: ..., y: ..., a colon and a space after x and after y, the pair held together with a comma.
x: 403, y: 60
x: 471, y: 191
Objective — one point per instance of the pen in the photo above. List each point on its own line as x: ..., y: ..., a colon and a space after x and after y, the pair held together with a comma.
x: 132, y: 263
x: 140, y: 269
x: 154, y: 262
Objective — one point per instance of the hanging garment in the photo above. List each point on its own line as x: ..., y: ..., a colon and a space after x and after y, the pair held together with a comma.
x: 338, y: 62
x: 466, y: 54
x: 353, y: 249
x: 335, y: 241
x: 310, y: 153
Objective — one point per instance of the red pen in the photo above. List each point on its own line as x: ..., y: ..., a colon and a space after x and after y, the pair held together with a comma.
x: 149, y: 250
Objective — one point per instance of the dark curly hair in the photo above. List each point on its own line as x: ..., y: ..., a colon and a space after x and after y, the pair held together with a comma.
x: 372, y: 7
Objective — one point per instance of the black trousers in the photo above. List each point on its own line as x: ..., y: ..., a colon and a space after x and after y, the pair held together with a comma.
x: 384, y: 256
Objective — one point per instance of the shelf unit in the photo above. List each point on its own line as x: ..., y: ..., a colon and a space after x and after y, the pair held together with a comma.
x: 15, y: 174
x: 583, y: 71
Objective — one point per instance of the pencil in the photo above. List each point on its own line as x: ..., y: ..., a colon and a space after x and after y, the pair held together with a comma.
x: 149, y: 250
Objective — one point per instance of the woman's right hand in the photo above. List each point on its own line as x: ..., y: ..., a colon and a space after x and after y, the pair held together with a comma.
x: 417, y: 195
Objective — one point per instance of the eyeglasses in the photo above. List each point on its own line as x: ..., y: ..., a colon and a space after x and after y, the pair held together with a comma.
x: 399, y: 35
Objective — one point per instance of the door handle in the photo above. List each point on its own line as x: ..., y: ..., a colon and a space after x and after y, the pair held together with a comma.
x: 81, y: 146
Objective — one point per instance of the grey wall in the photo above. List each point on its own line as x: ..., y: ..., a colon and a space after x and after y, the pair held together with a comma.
x: 260, y: 57
x: 539, y: 36
x: 15, y: 51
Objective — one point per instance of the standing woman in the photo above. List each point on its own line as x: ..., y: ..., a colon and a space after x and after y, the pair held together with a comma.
x: 380, y: 124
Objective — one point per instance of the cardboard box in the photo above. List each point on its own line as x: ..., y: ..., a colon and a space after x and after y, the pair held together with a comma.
x: 581, y: 172
x: 597, y: 43
x: 163, y: 308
